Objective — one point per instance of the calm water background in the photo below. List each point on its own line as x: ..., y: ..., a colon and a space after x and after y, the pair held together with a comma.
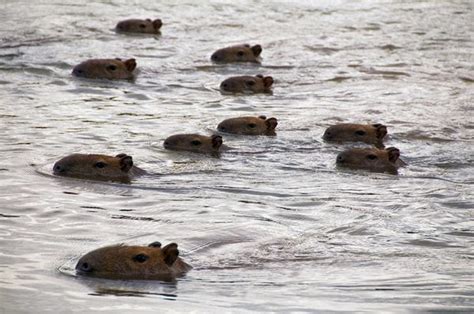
x: 271, y: 225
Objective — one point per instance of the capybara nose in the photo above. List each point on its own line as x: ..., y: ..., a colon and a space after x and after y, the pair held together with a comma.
x: 340, y: 159
x: 85, y: 267
x: 166, y: 144
x: 221, y: 128
x: 215, y: 57
x: 224, y: 85
x: 77, y: 72
x: 58, y: 169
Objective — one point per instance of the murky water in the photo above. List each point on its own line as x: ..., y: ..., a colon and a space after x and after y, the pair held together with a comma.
x: 271, y: 225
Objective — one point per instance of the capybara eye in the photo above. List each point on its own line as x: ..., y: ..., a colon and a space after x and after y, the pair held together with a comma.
x: 250, y: 83
x: 360, y: 132
x: 85, y: 267
x: 100, y: 164
x: 371, y: 157
x: 240, y: 53
x: 252, y: 125
x: 196, y: 143
x: 111, y: 67
x: 142, y: 26
x: 141, y: 258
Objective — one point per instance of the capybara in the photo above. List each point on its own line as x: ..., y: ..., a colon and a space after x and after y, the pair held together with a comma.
x: 112, y: 69
x: 151, y: 262
x: 249, y: 125
x: 98, y: 167
x: 372, y: 159
x: 237, y: 53
x: 247, y: 84
x: 146, y: 26
x: 194, y: 143
x: 351, y: 132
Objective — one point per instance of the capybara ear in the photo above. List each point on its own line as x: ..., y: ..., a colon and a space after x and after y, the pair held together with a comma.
x: 267, y: 81
x: 257, y: 50
x: 126, y: 162
x: 170, y: 253
x: 121, y: 155
x: 130, y: 64
x: 259, y: 75
x: 216, y: 141
x: 262, y: 117
x: 393, y: 154
x: 381, y: 130
x: 157, y: 24
x: 271, y: 123
x: 155, y: 244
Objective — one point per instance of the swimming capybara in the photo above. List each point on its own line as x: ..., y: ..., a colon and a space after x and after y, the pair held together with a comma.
x: 249, y: 126
x: 151, y: 262
x: 98, y: 167
x: 112, y: 69
x: 237, y: 53
x: 194, y: 143
x: 146, y: 26
x: 372, y: 159
x: 350, y: 132
x: 247, y: 84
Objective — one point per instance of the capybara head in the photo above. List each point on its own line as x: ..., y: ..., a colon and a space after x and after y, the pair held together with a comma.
x: 151, y: 262
x: 249, y: 126
x: 97, y: 167
x: 349, y: 132
x: 194, y: 143
x: 247, y: 84
x: 372, y: 159
x: 237, y: 53
x: 146, y: 26
x: 112, y: 69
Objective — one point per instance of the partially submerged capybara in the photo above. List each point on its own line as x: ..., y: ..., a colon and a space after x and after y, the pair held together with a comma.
x: 194, y: 143
x: 372, y: 159
x: 247, y: 84
x: 351, y: 132
x: 146, y: 26
x: 112, y: 69
x: 237, y: 53
x: 98, y: 167
x: 151, y: 262
x: 249, y: 125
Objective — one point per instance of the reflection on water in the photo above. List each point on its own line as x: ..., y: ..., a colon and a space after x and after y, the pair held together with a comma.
x: 271, y: 225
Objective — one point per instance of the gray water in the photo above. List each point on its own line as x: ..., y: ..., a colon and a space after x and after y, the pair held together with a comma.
x: 272, y: 225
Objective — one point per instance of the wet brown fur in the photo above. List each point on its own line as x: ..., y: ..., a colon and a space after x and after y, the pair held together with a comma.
x: 194, y: 143
x: 112, y: 69
x: 146, y: 26
x: 98, y: 167
x: 151, y: 262
x: 247, y: 84
x: 249, y: 126
x: 237, y: 53
x: 372, y: 159
x: 351, y: 132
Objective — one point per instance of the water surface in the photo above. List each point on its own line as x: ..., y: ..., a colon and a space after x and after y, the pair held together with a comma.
x: 271, y: 225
